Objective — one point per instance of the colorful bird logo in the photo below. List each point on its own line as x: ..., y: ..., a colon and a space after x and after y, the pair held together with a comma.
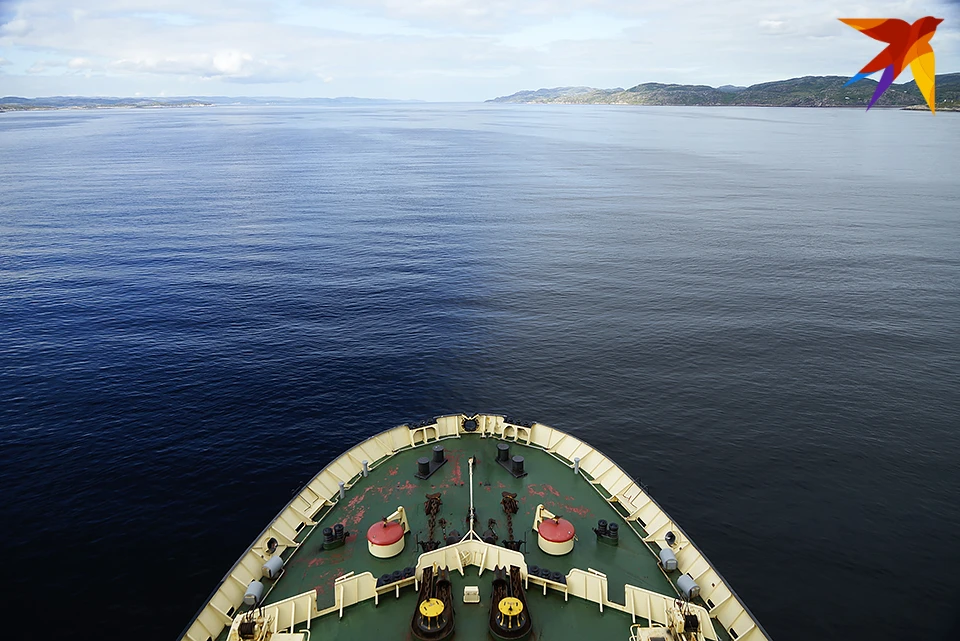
x: 906, y: 44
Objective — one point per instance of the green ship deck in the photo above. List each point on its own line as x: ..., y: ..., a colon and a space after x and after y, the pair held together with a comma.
x: 319, y: 589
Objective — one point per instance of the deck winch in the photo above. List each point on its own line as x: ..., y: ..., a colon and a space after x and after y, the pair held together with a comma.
x: 433, y: 617
x: 385, y: 538
x: 509, y: 615
x: 254, y: 627
x: 555, y: 535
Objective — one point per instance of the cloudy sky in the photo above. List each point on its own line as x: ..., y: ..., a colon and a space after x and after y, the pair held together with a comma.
x: 446, y: 50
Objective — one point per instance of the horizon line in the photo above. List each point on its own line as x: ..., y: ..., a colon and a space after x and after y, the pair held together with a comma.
x: 380, y: 99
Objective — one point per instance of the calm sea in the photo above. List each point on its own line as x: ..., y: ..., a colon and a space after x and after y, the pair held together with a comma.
x: 756, y: 311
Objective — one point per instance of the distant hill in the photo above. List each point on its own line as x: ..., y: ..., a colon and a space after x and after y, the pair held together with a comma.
x: 557, y: 94
x: 15, y: 103
x: 809, y: 91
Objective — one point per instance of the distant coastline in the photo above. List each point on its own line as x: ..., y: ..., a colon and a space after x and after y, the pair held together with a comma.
x: 16, y: 103
x: 808, y: 91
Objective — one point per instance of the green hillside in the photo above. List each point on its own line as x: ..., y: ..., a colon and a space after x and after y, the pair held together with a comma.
x: 809, y: 91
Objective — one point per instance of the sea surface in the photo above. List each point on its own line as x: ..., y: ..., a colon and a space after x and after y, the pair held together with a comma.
x: 754, y: 311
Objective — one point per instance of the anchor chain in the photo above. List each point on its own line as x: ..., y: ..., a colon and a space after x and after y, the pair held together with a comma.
x: 510, y: 507
x: 432, y: 508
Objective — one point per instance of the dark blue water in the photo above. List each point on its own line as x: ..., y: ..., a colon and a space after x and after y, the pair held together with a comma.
x: 755, y: 311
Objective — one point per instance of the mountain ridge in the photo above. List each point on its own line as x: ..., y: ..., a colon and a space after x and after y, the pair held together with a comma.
x: 805, y: 91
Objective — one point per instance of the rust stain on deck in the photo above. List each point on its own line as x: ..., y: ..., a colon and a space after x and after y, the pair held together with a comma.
x: 544, y: 489
x: 407, y: 487
x: 455, y: 476
x: 360, y: 497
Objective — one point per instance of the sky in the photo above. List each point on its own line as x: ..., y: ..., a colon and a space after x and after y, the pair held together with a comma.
x: 436, y: 50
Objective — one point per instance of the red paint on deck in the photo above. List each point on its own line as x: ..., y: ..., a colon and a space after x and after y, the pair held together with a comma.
x: 393, y: 471
x: 558, y: 507
x: 579, y: 510
x: 359, y: 498
x: 455, y: 476
x: 542, y: 489
x: 356, y: 508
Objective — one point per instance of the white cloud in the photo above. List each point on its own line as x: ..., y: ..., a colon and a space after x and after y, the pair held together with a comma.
x: 80, y: 63
x: 15, y: 28
x: 40, y: 66
x: 772, y: 26
x: 437, y: 49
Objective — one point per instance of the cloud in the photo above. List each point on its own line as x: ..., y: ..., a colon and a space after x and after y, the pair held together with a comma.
x: 203, y: 65
x: 40, y: 66
x: 440, y: 49
x: 80, y: 63
x: 4, y: 62
x: 15, y: 28
x: 472, y: 15
x: 226, y: 65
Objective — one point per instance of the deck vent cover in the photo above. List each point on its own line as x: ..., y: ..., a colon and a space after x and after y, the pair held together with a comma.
x: 688, y: 587
x: 254, y: 594
x: 667, y: 560
x: 272, y: 568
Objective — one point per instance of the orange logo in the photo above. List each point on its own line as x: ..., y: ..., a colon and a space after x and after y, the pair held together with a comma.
x: 907, y: 44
